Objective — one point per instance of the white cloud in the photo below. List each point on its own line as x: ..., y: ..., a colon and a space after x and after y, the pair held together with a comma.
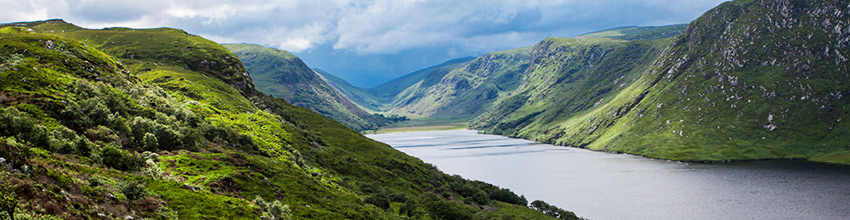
x: 365, y: 26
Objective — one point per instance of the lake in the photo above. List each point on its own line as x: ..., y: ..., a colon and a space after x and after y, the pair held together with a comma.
x: 601, y: 185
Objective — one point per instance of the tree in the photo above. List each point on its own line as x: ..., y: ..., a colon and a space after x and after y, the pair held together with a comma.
x: 553, y: 211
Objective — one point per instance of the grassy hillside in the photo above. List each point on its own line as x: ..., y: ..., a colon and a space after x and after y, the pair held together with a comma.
x: 466, y: 91
x: 90, y: 130
x: 747, y: 80
x: 461, y: 91
x: 383, y: 97
x: 569, y: 76
x: 283, y: 75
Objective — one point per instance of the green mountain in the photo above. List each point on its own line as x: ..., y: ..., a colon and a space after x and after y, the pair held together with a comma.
x: 161, y: 124
x: 465, y: 91
x: 383, y: 97
x: 460, y: 90
x: 747, y: 80
x: 283, y: 75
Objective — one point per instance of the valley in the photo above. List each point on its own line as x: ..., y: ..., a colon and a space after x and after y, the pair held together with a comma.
x: 738, y: 83
x: 741, y: 106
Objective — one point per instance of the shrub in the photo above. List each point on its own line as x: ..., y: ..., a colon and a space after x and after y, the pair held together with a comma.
x: 111, y: 156
x: 409, y: 208
x: 140, y: 127
x: 97, y: 180
x: 102, y: 133
x: 480, y: 198
x: 279, y: 211
x: 442, y: 209
x: 379, y: 199
x: 133, y: 190
x: 8, y: 199
x: 150, y: 142
x: 152, y: 170
x: 83, y: 146
x: 276, y: 210
x: 553, y: 211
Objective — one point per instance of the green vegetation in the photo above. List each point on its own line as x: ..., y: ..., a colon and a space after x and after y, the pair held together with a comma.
x: 741, y: 83
x: 384, y: 96
x: 638, y: 33
x: 100, y: 124
x: 283, y: 75
x: 430, y: 127
x: 553, y: 211
x: 453, y: 92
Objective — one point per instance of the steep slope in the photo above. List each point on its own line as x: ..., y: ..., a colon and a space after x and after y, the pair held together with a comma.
x: 87, y: 135
x: 284, y: 75
x: 466, y: 91
x: 747, y: 80
x: 568, y: 76
x: 385, y: 96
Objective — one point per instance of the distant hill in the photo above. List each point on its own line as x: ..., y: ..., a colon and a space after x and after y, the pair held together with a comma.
x: 638, y: 33
x: 382, y: 97
x: 465, y: 91
x: 460, y: 90
x: 283, y: 75
x: 747, y: 80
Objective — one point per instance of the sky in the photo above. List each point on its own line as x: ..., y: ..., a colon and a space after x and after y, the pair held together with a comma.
x: 368, y: 42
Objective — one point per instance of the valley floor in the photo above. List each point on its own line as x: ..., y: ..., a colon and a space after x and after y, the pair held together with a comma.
x: 427, y: 127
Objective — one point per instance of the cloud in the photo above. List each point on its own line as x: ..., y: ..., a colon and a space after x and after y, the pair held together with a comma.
x: 362, y: 26
x: 373, y: 33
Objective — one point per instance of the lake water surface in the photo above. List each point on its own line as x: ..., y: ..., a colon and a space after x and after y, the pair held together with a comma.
x: 600, y: 185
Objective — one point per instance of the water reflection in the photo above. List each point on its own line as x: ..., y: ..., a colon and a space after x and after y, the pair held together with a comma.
x: 617, y: 186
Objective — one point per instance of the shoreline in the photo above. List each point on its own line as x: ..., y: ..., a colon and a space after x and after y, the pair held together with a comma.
x: 445, y: 127
x: 432, y: 127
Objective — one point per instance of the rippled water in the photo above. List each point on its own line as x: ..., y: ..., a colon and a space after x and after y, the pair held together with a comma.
x: 601, y: 185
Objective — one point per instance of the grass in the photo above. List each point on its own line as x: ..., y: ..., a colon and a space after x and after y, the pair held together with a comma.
x: 236, y: 143
x: 280, y: 74
x: 434, y: 127
x: 689, y: 101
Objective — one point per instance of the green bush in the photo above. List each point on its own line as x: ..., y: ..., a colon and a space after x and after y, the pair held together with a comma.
x: 83, y: 146
x: 97, y: 180
x: 480, y: 198
x: 19, y: 124
x: 443, y: 209
x: 379, y: 199
x: 409, y: 208
x: 553, y: 211
x: 102, y: 133
x: 275, y: 210
x: 113, y: 157
x: 133, y: 190
x: 150, y: 142
x: 8, y: 199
